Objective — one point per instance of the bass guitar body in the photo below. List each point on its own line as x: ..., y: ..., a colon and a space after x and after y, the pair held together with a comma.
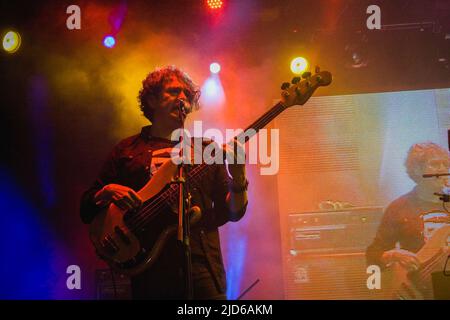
x: 130, y: 244
x: 400, y: 283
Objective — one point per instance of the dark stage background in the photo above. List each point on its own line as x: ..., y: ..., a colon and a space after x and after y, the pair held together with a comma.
x: 66, y: 100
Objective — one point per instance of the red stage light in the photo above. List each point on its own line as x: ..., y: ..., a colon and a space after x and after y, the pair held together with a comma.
x: 214, y: 4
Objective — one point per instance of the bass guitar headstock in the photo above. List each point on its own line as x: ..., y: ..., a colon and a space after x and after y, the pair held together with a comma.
x: 302, y: 88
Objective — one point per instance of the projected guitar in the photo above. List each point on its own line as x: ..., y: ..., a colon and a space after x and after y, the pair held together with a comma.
x: 416, y: 285
x: 131, y: 241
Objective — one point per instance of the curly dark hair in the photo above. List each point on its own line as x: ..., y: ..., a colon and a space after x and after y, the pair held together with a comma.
x: 153, y: 85
x: 419, y: 154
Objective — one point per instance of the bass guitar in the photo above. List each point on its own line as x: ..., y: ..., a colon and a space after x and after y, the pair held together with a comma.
x: 131, y: 241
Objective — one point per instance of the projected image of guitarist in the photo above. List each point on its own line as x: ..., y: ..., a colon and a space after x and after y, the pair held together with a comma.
x: 403, y: 243
x: 135, y: 161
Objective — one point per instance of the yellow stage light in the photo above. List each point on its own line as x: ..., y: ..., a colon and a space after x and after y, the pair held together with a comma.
x: 11, y: 41
x: 299, y: 65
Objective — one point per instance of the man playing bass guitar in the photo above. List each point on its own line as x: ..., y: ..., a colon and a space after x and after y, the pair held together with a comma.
x: 221, y: 197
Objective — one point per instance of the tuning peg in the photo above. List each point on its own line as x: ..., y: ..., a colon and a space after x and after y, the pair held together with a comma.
x: 317, y: 69
x: 318, y: 78
x: 296, y: 80
x: 285, y: 85
x: 306, y: 75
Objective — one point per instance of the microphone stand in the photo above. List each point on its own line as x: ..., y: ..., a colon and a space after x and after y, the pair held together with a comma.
x: 443, y: 197
x: 183, y: 213
x: 435, y: 175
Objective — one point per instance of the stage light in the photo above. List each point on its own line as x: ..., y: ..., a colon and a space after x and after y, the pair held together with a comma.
x: 214, y: 67
x: 299, y: 65
x: 213, y: 94
x: 214, y: 4
x: 356, y: 56
x: 356, y: 52
x: 11, y: 41
x: 109, y: 41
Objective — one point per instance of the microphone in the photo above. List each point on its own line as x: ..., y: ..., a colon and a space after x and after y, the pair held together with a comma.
x: 182, y: 107
x: 431, y: 175
x: 442, y: 196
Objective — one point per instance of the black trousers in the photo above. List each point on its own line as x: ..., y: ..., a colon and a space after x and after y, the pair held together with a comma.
x: 165, y: 281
